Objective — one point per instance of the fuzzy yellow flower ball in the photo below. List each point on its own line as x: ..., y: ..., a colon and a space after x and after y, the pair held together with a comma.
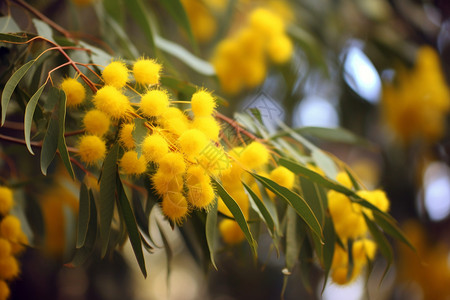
x: 283, y: 177
x: 280, y: 49
x: 126, y: 136
x: 203, y: 103
x: 9, y: 268
x: 201, y: 195
x: 131, y: 164
x: 115, y: 74
x: 146, y: 71
x: 175, y: 207
x: 96, y: 122
x: 207, y: 125
x: 231, y: 232
x: 4, y: 290
x: 111, y: 101
x: 154, y: 147
x: 18, y: 247
x: 164, y: 183
x: 191, y: 142
x: 344, y: 179
x: 5, y: 248
x: 172, y: 163
x: 74, y: 91
x: 6, y: 200
x: 154, y: 103
x: 254, y: 155
x: 266, y: 22
x: 10, y: 228
x: 91, y: 149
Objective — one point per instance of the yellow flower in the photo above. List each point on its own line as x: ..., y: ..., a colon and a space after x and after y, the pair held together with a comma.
x: 207, y: 125
x: 91, y: 149
x: 132, y: 165
x: 231, y: 232
x: 154, y: 103
x: 280, y: 49
x: 5, y: 248
x: 6, y: 200
x: 9, y: 268
x: 10, y: 228
x: 96, y: 122
x: 4, y: 290
x: 146, y: 71
x: 74, y: 91
x: 344, y: 179
x: 266, y: 22
x: 191, y: 142
x: 115, y: 74
x: 175, y: 206
x: 126, y: 136
x: 172, y: 163
x: 254, y: 155
x: 202, y: 21
x: 164, y: 183
x: 283, y: 177
x: 377, y: 197
x: 203, y: 103
x: 111, y: 101
x: 154, y: 147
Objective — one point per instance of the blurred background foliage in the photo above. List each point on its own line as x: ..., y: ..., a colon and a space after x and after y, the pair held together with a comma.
x: 377, y: 68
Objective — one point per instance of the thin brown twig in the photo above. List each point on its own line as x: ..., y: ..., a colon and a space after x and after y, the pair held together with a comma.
x: 238, y: 127
x: 75, y: 132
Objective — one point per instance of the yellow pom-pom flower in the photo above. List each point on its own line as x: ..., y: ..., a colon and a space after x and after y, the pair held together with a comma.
x: 172, y: 163
x: 74, y: 91
x: 203, y: 103
x: 254, y: 155
x: 115, y: 74
x: 191, y: 142
x: 111, y: 101
x: 131, y: 164
x: 126, y: 136
x: 201, y: 195
x: 5, y: 248
x: 146, y: 71
x: 283, y: 177
x: 6, y: 200
x: 364, y: 249
x: 231, y: 232
x: 10, y: 228
x: 207, y: 125
x: 154, y: 147
x: 154, y: 103
x: 91, y: 149
x: 266, y: 22
x: 18, y: 247
x: 344, y: 179
x: 4, y: 290
x: 9, y: 268
x: 175, y: 207
x: 280, y: 49
x: 164, y: 183
x: 96, y: 122
x: 377, y: 198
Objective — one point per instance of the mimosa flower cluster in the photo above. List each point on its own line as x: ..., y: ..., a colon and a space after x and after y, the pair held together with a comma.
x: 12, y: 241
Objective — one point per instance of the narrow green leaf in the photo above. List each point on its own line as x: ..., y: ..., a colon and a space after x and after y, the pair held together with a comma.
x: 29, y: 112
x: 176, y: 10
x: 262, y: 210
x: 306, y: 257
x: 43, y: 29
x: 62, y: 147
x: 390, y: 227
x: 50, y: 143
x: 107, y: 195
x: 328, y: 248
x: 139, y: 13
x: 382, y: 242
x: 7, y: 24
x: 353, y: 180
x: 310, y: 192
x: 236, y: 212
x: 115, y: 9
x: 130, y: 223
x: 83, y: 216
x: 211, y: 230
x: 17, y: 37
x: 139, y: 134
x: 294, y: 238
x: 296, y: 201
x: 11, y: 85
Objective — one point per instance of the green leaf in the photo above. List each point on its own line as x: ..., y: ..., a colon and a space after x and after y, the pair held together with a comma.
x: 107, y: 195
x: 11, y: 85
x: 294, y: 238
x: 211, y: 230
x: 50, y: 143
x: 296, y: 201
x: 43, y: 29
x: 62, y: 147
x: 139, y: 133
x: 139, y: 13
x: 382, y: 242
x: 130, y: 223
x: 312, y: 194
x: 390, y: 227
x: 261, y: 210
x: 168, y: 249
x: 176, y: 10
x: 237, y: 213
x: 17, y: 37
x: 328, y: 248
x: 7, y: 24
x: 29, y: 112
x: 83, y: 216
x: 115, y: 8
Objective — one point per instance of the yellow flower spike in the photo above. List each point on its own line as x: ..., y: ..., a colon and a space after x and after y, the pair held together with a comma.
x: 146, y: 71
x: 111, y: 101
x: 91, y: 149
x: 175, y: 206
x: 203, y: 103
x: 172, y: 163
x: 280, y: 49
x: 154, y: 147
x: 154, y: 103
x: 5, y: 248
x: 6, y: 200
x: 9, y: 268
x: 4, y: 290
x: 115, y: 74
x: 192, y: 142
x: 163, y: 182
x: 74, y: 90
x: 254, y: 155
x: 10, y: 228
x: 96, y: 122
x: 231, y: 232
x: 283, y: 177
x: 126, y: 136
x: 207, y: 125
x: 130, y: 164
